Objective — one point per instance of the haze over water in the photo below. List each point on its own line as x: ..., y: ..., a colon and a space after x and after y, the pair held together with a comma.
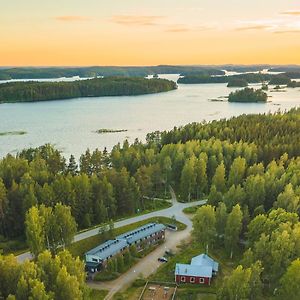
x: 71, y: 124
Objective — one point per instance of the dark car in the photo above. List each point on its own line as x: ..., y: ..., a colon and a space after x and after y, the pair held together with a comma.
x: 162, y: 259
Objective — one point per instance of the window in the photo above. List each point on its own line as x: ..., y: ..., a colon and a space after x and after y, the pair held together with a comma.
x: 192, y: 280
x: 201, y: 280
x: 182, y: 278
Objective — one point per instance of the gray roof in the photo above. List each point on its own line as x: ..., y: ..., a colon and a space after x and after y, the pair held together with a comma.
x: 193, y: 270
x: 141, y: 232
x: 111, y: 247
x: 205, y: 260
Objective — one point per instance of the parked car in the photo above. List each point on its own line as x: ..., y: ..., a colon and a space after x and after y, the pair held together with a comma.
x: 163, y: 259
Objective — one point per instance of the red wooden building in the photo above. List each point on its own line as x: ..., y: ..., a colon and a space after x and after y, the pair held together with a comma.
x: 200, y: 271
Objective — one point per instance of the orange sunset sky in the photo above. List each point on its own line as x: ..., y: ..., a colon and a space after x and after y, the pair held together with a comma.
x: 139, y: 32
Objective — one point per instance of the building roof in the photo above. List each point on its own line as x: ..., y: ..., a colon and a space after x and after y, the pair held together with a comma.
x: 205, y: 260
x: 109, y: 248
x: 113, y: 247
x: 193, y: 270
x: 141, y: 232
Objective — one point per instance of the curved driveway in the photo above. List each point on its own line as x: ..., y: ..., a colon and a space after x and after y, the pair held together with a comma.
x: 149, y: 264
x: 172, y: 239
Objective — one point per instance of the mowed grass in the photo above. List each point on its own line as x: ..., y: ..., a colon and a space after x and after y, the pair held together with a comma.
x: 97, y: 294
x: 191, y: 210
x: 81, y: 247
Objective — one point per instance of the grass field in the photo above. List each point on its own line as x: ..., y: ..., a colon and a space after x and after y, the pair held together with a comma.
x: 97, y: 294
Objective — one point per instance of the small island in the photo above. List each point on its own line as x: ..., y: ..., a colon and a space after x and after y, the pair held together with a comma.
x: 248, y: 95
x: 5, y: 133
x: 293, y: 84
x: 97, y: 87
x: 103, y: 130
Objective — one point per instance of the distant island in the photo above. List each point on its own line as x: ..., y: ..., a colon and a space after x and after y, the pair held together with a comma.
x: 248, y: 95
x: 100, y: 131
x: 106, y: 71
x: 97, y: 87
x: 241, y: 80
x: 293, y: 84
x: 12, y: 133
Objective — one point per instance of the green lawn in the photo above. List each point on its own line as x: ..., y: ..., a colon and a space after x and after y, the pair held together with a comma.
x: 79, y: 248
x: 97, y: 294
x: 191, y: 210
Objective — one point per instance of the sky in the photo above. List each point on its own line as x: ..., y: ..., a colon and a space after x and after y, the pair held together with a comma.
x: 152, y: 32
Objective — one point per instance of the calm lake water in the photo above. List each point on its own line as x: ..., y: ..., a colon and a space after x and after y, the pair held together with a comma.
x: 71, y: 124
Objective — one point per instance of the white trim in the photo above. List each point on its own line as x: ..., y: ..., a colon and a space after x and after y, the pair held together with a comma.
x: 201, y: 280
x: 192, y: 280
x: 182, y: 278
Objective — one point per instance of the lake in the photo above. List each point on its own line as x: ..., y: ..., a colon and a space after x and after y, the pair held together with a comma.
x: 71, y: 124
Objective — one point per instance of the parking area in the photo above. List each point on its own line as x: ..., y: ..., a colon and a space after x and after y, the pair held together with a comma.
x: 158, y: 292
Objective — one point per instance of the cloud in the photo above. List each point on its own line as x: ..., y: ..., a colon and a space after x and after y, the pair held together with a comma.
x: 130, y: 20
x: 72, y: 18
x: 287, y: 31
x: 253, y: 27
x: 183, y: 28
x: 291, y: 13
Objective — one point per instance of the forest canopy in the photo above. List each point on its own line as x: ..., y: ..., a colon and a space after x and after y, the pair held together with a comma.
x: 85, y: 72
x: 247, y: 167
x: 248, y: 95
x: 97, y: 87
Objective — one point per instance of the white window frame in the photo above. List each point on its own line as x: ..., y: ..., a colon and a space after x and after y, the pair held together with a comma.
x: 182, y: 278
x: 201, y: 280
x: 192, y: 280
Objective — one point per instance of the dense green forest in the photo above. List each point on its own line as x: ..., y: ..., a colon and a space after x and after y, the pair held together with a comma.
x: 248, y: 95
x: 98, y: 87
x: 84, y: 72
x: 284, y: 78
x: 105, y: 185
x: 248, y: 167
x: 292, y: 68
x: 294, y: 84
x: 237, y: 82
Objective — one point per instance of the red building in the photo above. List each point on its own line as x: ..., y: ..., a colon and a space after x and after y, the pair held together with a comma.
x: 200, y: 271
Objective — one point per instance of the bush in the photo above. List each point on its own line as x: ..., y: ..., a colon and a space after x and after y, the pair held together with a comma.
x: 139, y: 282
x: 106, y: 276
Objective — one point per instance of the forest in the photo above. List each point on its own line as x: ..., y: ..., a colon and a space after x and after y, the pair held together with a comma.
x: 85, y: 72
x: 248, y: 167
x: 284, y: 78
x: 248, y: 95
x: 97, y: 87
x: 237, y: 82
